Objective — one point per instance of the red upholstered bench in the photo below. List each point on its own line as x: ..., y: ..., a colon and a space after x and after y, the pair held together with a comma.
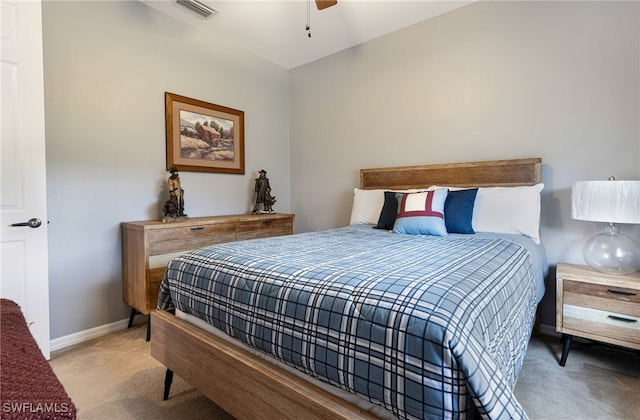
x: 29, y: 389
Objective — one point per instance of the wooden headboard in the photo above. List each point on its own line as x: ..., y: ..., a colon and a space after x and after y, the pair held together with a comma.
x: 508, y: 173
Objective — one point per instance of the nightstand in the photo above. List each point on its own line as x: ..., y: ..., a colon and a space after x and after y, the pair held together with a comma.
x: 597, y: 306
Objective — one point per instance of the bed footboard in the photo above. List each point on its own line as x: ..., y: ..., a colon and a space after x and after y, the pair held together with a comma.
x: 242, y: 384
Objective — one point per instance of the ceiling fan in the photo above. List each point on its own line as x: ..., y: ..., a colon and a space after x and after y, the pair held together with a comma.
x: 320, y: 4
x: 323, y: 4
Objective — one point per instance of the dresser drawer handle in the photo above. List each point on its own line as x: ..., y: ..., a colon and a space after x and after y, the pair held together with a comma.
x: 619, y: 318
x: 621, y: 292
x: 197, y: 228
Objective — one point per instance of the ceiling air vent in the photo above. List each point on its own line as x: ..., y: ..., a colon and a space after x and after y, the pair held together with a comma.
x: 200, y: 8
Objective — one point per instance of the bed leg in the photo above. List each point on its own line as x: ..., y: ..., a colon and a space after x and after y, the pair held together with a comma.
x: 168, y: 378
x: 149, y: 328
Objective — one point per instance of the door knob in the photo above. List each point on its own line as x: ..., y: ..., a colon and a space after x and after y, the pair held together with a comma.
x: 32, y: 223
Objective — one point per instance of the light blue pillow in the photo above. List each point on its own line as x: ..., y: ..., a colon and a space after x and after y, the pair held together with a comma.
x: 421, y: 213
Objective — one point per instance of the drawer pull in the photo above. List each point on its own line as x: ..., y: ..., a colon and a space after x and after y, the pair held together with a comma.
x: 619, y: 318
x: 621, y: 292
x: 197, y: 228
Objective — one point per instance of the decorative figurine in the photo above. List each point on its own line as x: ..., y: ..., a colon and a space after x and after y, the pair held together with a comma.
x: 263, y: 193
x: 269, y: 201
x: 174, y: 206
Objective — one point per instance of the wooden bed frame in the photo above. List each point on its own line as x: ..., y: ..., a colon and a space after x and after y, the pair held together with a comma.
x: 248, y: 387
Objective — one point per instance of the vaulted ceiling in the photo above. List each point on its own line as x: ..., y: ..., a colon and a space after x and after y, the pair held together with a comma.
x: 276, y: 29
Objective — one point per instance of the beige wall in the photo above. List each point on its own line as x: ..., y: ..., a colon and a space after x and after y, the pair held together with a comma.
x: 492, y: 80
x: 107, y: 66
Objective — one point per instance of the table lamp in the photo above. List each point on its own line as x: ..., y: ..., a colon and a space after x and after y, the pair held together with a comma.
x: 610, y: 202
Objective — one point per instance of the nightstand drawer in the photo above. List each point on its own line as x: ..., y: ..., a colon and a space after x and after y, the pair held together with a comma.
x: 603, y: 291
x: 602, y: 323
x: 602, y: 297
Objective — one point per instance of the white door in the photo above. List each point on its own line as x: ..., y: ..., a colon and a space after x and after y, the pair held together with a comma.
x: 23, y: 249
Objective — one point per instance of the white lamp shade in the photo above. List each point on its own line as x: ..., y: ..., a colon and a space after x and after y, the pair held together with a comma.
x: 606, y: 201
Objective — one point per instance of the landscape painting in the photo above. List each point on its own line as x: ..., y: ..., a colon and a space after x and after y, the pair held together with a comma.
x: 203, y: 137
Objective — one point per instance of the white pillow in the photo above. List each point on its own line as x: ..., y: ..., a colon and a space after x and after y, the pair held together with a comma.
x: 508, y: 210
x: 367, y: 205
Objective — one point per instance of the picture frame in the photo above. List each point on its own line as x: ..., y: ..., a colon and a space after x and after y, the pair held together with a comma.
x: 203, y: 137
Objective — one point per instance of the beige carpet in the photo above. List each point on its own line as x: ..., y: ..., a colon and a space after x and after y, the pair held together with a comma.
x: 115, y: 377
x: 598, y: 382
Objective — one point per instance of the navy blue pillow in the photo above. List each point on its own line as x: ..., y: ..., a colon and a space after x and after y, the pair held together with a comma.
x: 389, y: 211
x: 458, y: 210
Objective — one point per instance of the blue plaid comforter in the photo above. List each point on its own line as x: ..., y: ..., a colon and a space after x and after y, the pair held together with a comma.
x: 428, y: 327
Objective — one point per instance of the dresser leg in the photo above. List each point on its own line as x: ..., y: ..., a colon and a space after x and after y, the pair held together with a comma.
x: 149, y: 328
x: 131, y: 316
x: 168, y: 378
x: 566, y: 346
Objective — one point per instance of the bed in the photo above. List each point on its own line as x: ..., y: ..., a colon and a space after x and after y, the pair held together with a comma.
x: 358, y: 322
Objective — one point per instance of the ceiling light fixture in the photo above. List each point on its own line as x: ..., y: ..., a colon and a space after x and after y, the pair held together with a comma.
x: 200, y: 8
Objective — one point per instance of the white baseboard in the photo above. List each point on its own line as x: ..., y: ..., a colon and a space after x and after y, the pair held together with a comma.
x: 86, y: 335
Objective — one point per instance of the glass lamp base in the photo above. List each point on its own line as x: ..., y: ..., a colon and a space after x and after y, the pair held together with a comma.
x: 612, y: 252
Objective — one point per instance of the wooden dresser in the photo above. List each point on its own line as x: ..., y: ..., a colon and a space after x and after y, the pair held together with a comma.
x: 597, y: 306
x: 148, y: 246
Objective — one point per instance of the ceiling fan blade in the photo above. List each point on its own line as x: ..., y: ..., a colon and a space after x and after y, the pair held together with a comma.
x: 323, y: 4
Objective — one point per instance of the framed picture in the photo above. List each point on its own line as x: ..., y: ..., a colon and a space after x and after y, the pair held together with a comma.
x: 203, y: 137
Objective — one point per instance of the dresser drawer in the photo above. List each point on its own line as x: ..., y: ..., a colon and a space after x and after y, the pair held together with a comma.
x: 263, y: 228
x: 162, y: 241
x: 153, y: 292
